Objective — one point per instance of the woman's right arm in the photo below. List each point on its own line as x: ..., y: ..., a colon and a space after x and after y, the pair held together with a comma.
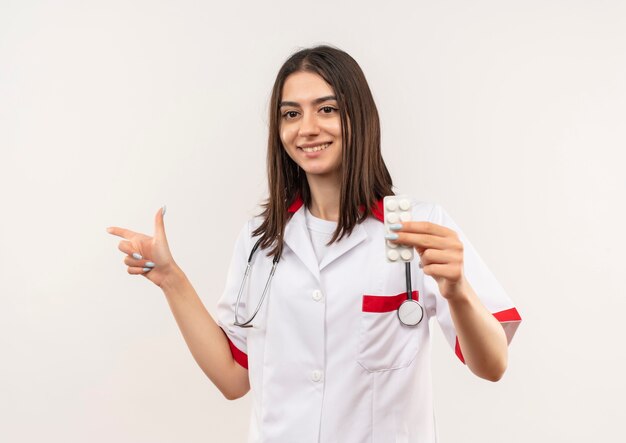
x: 151, y: 258
x: 206, y: 340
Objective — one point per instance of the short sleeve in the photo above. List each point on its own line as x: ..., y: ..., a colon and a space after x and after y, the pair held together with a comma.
x: 237, y: 336
x: 484, y: 283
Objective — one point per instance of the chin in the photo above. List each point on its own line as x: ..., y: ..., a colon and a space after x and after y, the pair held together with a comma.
x: 321, y: 172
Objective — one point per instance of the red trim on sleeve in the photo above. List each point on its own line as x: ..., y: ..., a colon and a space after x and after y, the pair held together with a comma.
x: 457, y: 351
x: 239, y: 356
x: 384, y: 303
x: 508, y: 315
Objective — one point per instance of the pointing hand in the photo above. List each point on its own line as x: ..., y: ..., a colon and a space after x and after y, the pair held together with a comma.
x: 145, y: 255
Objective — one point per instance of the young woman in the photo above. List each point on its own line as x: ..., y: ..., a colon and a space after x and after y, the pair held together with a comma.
x: 326, y: 355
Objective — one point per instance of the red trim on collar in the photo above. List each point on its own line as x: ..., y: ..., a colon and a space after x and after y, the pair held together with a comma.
x: 377, y: 211
x: 297, y: 203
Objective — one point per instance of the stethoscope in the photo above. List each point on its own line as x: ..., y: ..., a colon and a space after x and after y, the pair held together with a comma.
x: 410, y: 311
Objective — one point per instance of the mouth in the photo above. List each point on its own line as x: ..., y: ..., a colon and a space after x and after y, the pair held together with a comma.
x: 315, y: 148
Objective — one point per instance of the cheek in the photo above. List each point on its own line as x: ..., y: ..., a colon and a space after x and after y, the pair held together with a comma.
x: 287, y: 134
x: 335, y: 128
x: 287, y: 139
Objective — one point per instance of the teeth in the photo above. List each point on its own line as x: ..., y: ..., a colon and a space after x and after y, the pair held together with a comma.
x: 316, y: 148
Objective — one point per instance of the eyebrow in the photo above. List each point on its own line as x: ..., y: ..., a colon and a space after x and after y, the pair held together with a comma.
x: 317, y: 101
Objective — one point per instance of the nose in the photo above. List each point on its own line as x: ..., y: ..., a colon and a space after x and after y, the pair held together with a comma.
x: 308, y: 125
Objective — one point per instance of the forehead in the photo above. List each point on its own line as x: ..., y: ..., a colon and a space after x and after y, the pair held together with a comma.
x: 304, y: 87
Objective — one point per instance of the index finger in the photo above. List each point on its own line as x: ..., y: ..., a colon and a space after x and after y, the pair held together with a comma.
x: 427, y: 228
x: 120, y: 232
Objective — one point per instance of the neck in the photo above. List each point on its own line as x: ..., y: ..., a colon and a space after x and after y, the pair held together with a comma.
x: 325, y: 196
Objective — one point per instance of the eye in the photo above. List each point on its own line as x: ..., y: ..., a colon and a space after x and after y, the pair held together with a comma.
x: 328, y: 109
x: 290, y: 114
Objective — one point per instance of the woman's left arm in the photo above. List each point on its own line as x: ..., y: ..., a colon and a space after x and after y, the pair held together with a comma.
x: 481, y: 337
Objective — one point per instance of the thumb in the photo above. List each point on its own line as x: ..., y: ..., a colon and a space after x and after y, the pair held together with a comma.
x: 159, y: 227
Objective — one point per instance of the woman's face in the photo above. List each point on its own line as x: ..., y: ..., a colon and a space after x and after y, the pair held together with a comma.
x: 310, y: 125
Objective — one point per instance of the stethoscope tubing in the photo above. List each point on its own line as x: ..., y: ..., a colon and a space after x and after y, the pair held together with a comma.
x: 247, y: 324
x: 400, y: 311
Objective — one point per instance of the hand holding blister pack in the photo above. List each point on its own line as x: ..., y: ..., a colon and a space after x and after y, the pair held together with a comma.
x: 397, y: 209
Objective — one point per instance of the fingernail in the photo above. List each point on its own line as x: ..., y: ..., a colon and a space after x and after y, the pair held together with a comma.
x: 395, y: 227
x: 391, y: 236
x: 137, y: 256
x: 150, y: 264
x: 147, y: 269
x: 163, y: 209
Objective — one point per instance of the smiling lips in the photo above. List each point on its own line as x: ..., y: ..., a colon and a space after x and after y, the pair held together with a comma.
x: 316, y: 148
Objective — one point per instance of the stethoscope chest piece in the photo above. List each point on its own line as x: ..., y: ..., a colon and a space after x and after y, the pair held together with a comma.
x: 410, y: 312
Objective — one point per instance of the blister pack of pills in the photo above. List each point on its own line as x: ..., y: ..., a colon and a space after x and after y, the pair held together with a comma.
x: 397, y: 209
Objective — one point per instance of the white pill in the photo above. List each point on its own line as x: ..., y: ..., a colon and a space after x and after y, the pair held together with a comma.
x: 405, y: 216
x: 406, y: 254
x: 391, y: 204
x: 392, y: 217
x: 405, y: 204
x: 392, y: 244
x: 392, y: 255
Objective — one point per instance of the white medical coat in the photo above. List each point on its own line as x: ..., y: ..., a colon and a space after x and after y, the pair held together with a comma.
x: 328, y: 359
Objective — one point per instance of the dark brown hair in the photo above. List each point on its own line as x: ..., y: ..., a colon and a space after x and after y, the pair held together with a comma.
x: 364, y: 176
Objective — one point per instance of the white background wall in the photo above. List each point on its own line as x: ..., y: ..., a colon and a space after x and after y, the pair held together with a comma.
x: 509, y: 114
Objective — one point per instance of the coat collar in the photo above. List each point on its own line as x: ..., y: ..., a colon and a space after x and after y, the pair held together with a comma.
x: 298, y: 240
x: 377, y: 211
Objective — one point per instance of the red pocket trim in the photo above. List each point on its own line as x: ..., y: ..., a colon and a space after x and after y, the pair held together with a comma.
x: 385, y: 303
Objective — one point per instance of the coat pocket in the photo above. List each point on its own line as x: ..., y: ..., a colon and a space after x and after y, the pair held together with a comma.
x: 385, y: 343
